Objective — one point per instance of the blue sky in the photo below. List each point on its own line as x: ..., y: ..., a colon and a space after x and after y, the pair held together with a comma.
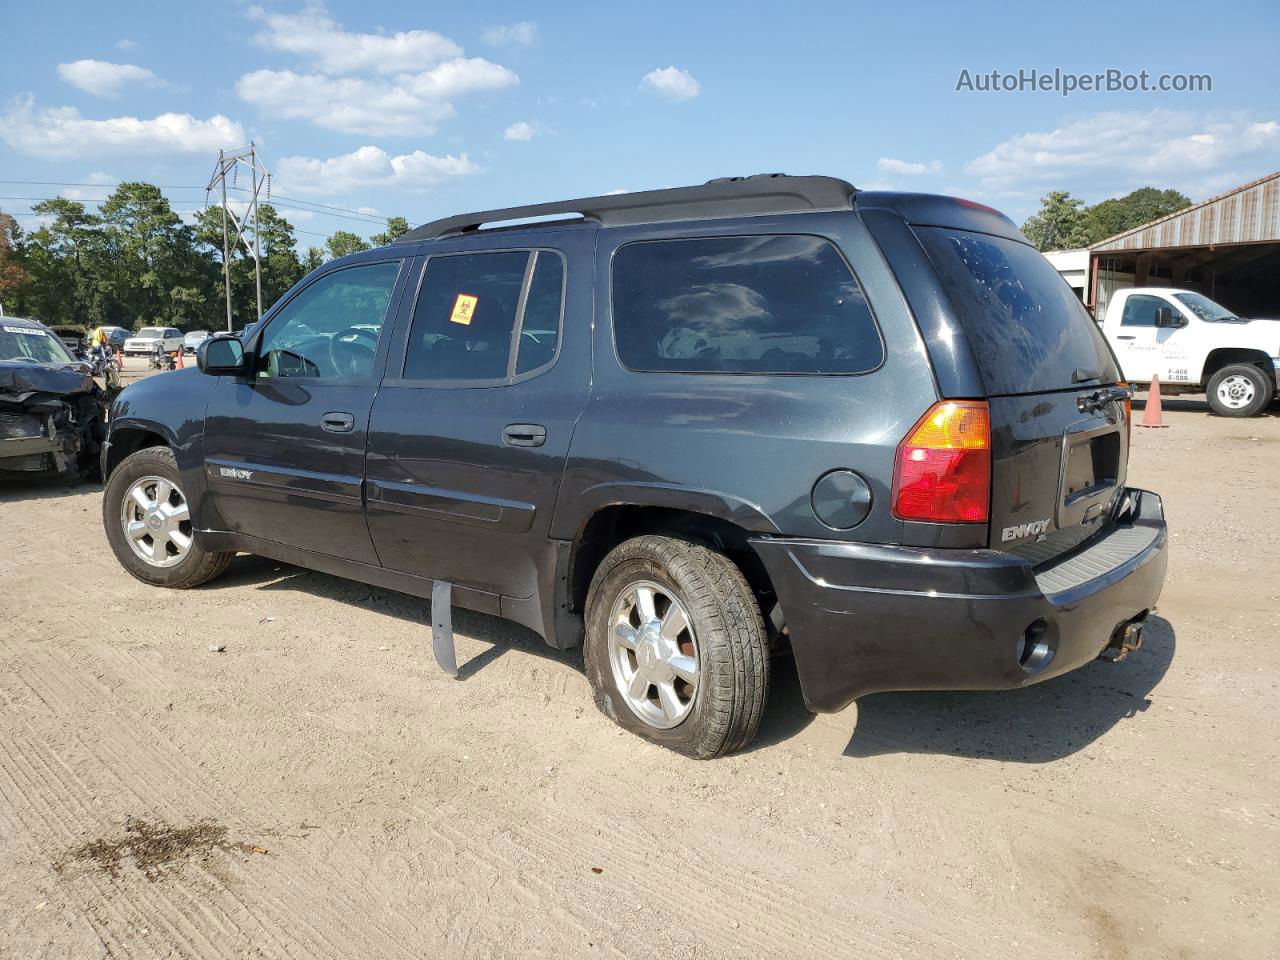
x: 424, y: 109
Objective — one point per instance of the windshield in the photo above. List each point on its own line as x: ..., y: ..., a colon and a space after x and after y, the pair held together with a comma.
x: 32, y: 345
x: 150, y: 333
x: 1204, y: 308
x: 1028, y: 331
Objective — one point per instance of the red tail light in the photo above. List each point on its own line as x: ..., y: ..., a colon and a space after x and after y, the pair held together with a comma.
x: 943, y: 469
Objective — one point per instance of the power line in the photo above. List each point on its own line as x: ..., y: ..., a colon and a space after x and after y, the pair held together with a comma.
x: 161, y: 186
x: 200, y: 204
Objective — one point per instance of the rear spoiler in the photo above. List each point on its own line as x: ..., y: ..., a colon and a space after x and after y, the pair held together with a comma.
x: 931, y: 210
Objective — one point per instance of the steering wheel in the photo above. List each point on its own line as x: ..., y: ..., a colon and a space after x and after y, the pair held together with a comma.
x: 354, y: 359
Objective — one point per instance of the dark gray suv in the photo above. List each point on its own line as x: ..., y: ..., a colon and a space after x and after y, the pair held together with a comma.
x: 690, y: 430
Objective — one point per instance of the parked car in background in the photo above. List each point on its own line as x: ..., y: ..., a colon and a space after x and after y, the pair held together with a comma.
x: 193, y: 339
x: 150, y: 339
x: 1194, y: 344
x: 687, y: 430
x: 71, y: 335
x: 117, y: 336
x: 51, y: 409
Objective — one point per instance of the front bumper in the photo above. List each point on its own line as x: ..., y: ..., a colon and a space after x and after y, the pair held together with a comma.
x: 866, y: 618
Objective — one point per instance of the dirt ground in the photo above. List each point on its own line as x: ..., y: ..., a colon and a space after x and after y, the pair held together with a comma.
x: 320, y: 789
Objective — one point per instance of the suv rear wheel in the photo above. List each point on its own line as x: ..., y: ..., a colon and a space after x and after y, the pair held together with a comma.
x: 1240, y: 390
x: 148, y: 523
x: 676, y: 650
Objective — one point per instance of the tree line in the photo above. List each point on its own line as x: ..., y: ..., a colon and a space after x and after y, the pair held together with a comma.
x: 1064, y: 222
x: 135, y: 263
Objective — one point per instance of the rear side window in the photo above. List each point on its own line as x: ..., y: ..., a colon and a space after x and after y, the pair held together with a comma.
x: 1140, y: 311
x: 1028, y: 331
x: 467, y: 324
x: 760, y: 304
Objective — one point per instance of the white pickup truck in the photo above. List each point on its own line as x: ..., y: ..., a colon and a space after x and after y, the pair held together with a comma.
x: 1193, y: 344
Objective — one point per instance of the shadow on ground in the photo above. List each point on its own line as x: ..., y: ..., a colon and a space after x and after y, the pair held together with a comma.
x: 15, y: 486
x: 1036, y: 724
x: 1193, y: 403
x: 271, y: 575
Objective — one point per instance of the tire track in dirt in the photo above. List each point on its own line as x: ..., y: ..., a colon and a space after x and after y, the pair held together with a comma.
x: 128, y: 754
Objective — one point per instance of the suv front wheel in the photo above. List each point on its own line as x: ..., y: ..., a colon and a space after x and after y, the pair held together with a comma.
x: 148, y: 523
x: 676, y: 650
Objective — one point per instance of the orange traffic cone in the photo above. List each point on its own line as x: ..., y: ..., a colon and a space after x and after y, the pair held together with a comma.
x: 1151, y: 415
x: 181, y: 365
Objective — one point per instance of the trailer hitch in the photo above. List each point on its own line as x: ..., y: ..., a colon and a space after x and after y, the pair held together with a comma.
x: 1124, y: 641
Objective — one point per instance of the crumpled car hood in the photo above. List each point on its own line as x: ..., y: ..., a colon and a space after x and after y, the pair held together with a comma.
x: 20, y: 378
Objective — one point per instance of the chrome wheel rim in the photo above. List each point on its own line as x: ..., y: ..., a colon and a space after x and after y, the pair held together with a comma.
x: 156, y: 521
x: 1236, y: 391
x: 653, y: 654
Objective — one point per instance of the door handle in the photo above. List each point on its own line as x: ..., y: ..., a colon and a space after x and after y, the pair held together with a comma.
x: 1125, y: 337
x: 336, y: 422
x: 524, y: 435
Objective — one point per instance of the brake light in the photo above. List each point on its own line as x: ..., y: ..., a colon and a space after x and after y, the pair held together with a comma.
x: 943, y: 468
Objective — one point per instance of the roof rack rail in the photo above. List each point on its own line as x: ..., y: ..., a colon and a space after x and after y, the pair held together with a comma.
x: 723, y: 197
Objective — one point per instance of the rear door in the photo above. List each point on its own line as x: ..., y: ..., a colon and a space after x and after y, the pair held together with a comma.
x: 284, y: 446
x: 472, y: 423
x: 1059, y: 436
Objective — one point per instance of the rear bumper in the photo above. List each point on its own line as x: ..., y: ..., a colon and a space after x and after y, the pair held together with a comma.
x: 865, y: 618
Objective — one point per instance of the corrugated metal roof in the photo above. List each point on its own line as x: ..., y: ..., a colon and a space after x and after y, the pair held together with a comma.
x: 1248, y: 214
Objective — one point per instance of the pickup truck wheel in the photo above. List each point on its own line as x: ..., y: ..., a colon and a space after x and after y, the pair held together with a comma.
x: 1240, y: 390
x: 148, y: 523
x: 676, y: 649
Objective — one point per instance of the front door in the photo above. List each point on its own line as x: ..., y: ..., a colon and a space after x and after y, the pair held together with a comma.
x: 284, y: 446
x: 1139, y: 341
x: 472, y: 423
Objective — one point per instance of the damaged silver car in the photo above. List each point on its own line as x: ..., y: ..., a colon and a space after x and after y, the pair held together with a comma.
x: 52, y: 411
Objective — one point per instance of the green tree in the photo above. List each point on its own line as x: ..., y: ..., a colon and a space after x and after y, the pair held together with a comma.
x: 1059, y: 225
x: 397, y: 227
x: 344, y: 242
x: 64, y: 260
x: 157, y: 275
x: 1117, y: 215
x: 13, y: 275
x: 313, y: 258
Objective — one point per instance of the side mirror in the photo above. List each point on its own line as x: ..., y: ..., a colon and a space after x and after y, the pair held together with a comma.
x: 221, y: 354
x: 1168, y: 317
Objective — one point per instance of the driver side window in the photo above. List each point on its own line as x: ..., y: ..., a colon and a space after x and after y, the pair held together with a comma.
x: 330, y: 330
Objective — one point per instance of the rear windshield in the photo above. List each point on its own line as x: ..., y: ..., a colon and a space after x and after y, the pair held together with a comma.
x: 1027, y: 329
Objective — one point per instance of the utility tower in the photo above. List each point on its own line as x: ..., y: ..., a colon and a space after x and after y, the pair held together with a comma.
x: 229, y: 164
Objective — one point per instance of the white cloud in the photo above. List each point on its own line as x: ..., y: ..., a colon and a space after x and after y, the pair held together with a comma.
x: 519, y: 131
x: 671, y: 82
x: 94, y: 194
x: 1114, y: 151
x: 907, y: 168
x: 370, y: 167
x: 522, y: 34
x: 315, y: 36
x: 409, y: 104
x: 63, y: 132
x: 126, y: 44
x: 104, y: 79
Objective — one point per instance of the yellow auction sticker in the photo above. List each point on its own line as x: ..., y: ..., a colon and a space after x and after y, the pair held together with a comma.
x: 464, y: 308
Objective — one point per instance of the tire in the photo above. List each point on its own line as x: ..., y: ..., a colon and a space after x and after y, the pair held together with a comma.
x: 1240, y: 390
x: 725, y: 635
x: 172, y: 566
